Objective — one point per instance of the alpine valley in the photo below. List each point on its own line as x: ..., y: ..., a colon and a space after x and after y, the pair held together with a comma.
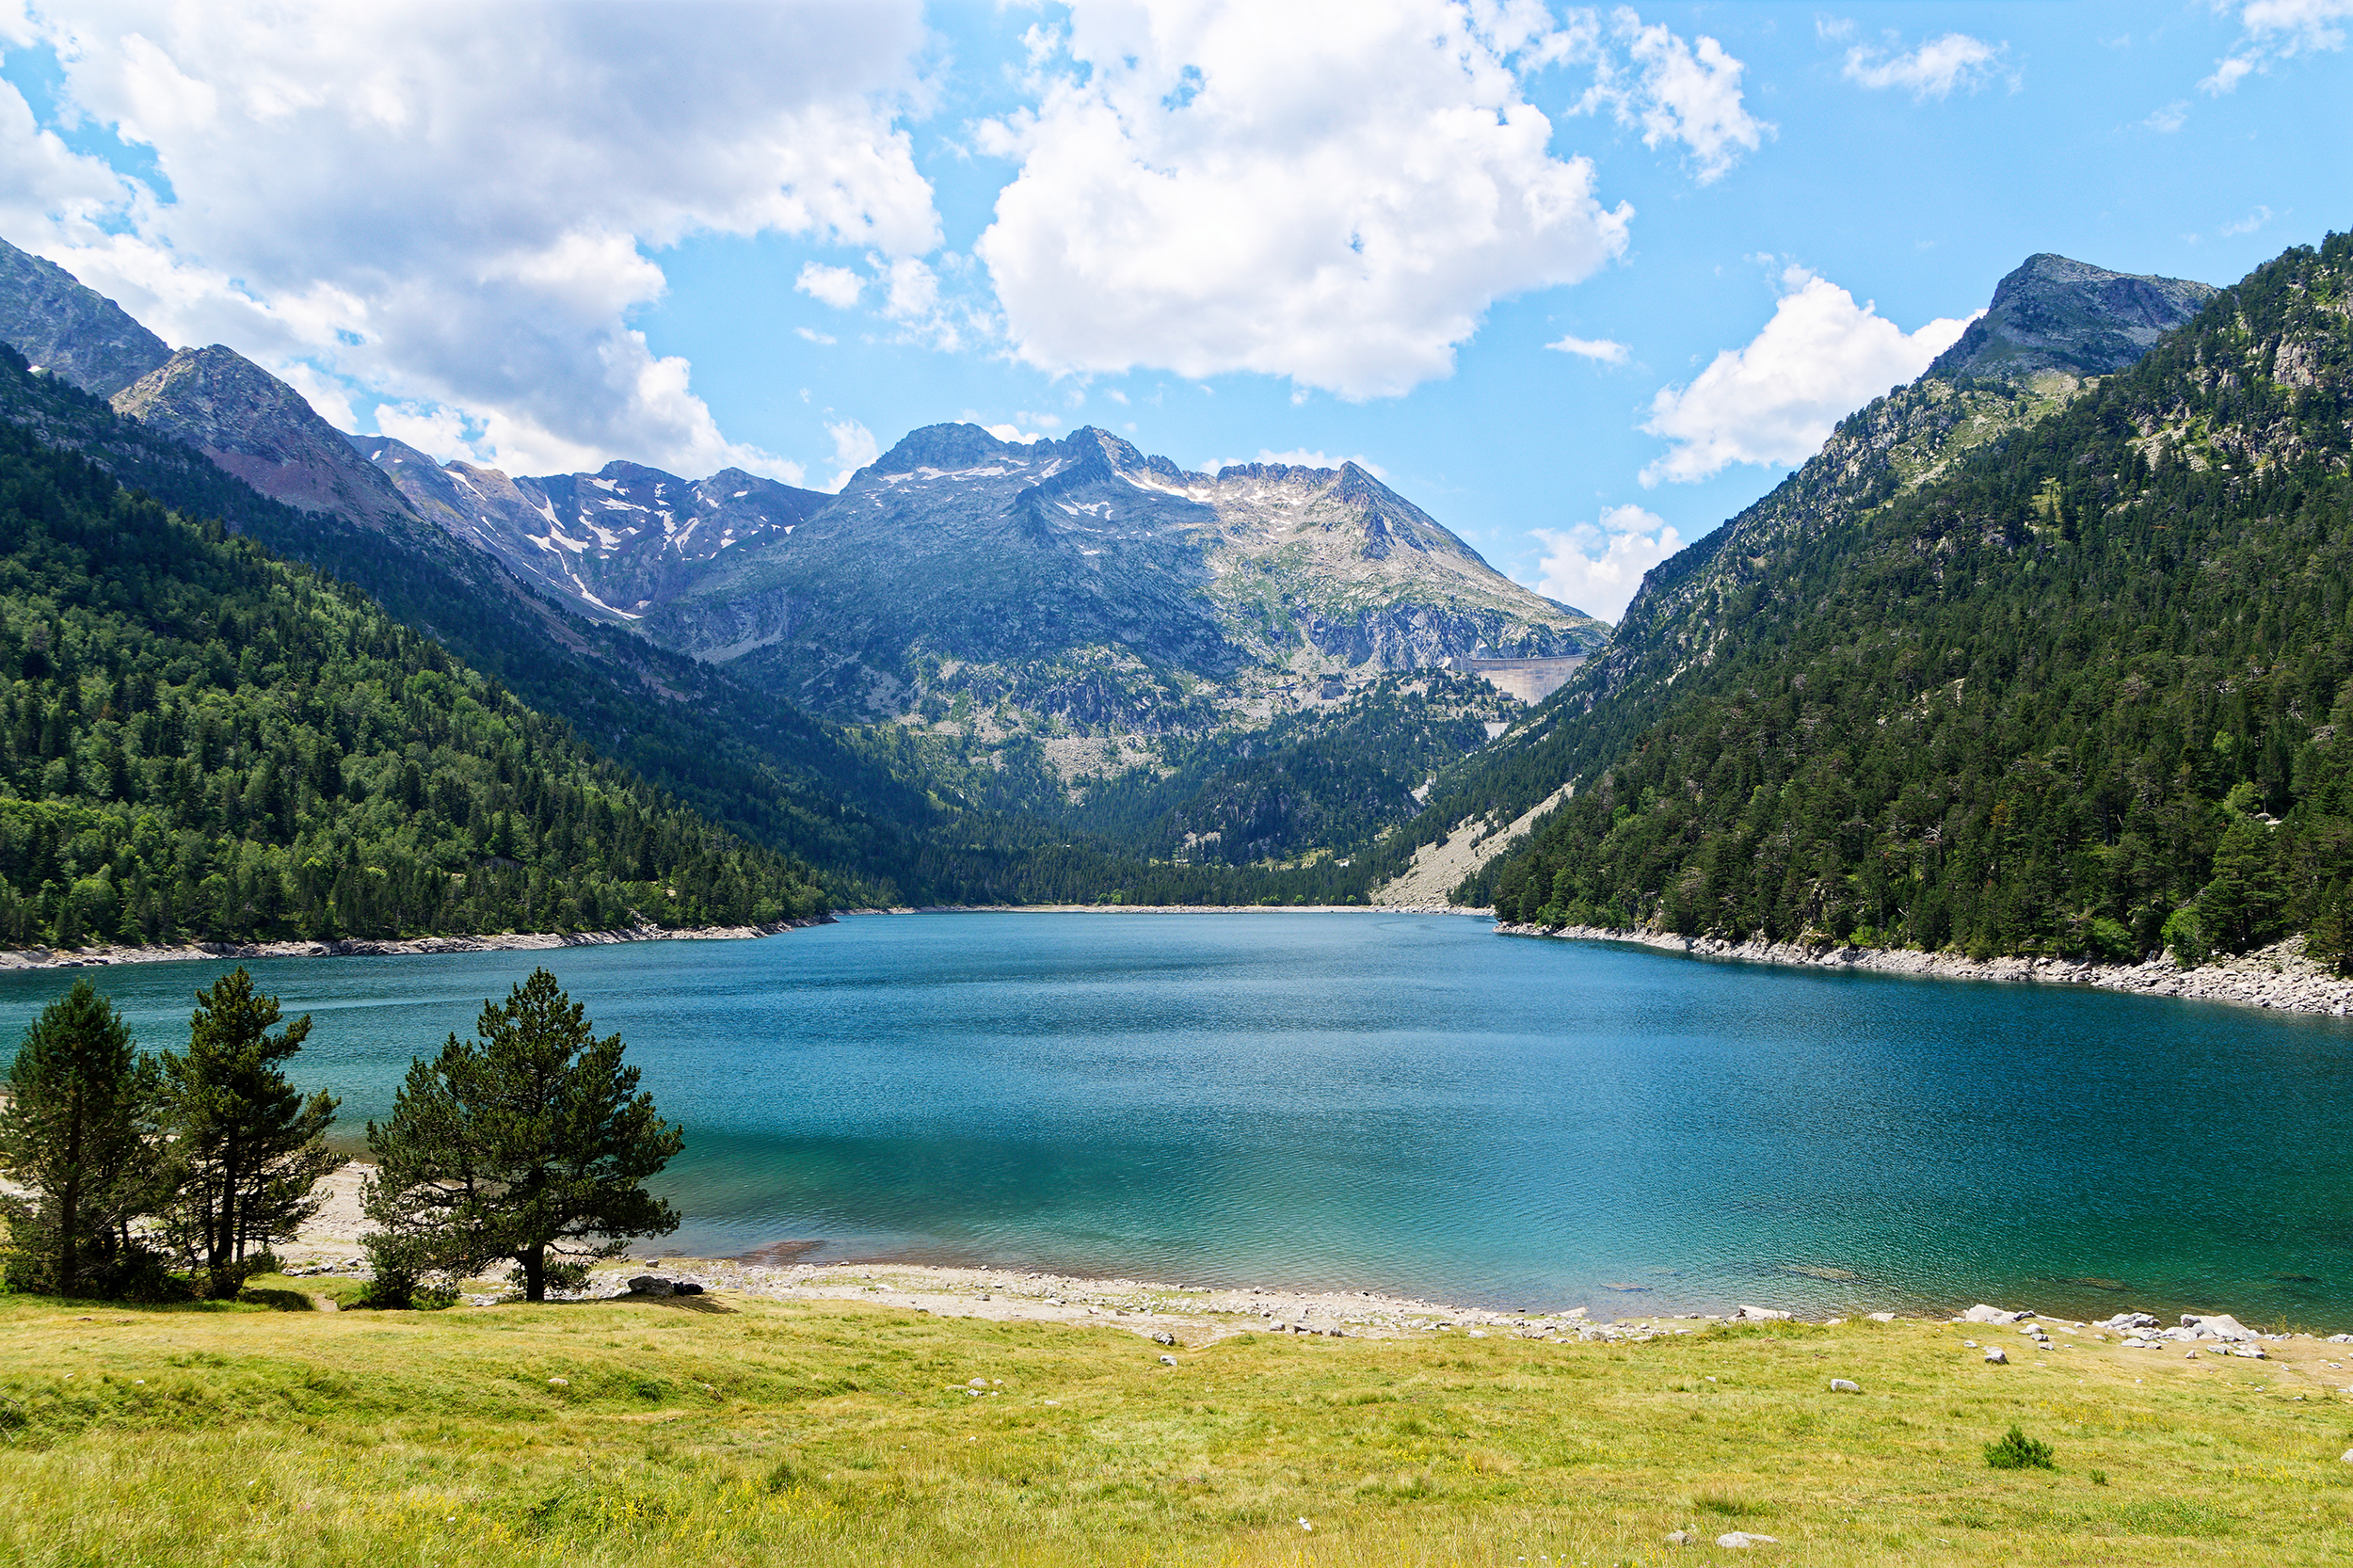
x: 2046, y: 653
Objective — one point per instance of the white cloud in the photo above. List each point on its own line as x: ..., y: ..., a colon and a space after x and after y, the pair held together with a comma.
x: 823, y: 340
x: 1775, y: 401
x: 1935, y: 69
x: 1673, y: 91
x: 1595, y: 566
x: 2169, y: 119
x: 1014, y: 433
x: 454, y: 207
x: 1332, y: 191
x: 2279, y: 29
x: 2247, y: 225
x: 1608, y: 352
x: 854, y: 447
x: 438, y: 433
x: 837, y: 286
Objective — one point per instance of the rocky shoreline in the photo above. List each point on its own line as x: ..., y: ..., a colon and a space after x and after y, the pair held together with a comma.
x: 525, y: 941
x: 2277, y: 977
x: 1190, y: 1314
x: 1175, y: 909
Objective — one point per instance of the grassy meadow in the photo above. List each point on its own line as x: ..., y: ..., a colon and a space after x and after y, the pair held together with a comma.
x: 726, y: 1430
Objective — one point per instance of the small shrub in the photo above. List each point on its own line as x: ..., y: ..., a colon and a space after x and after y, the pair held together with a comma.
x: 2186, y: 937
x: 2099, y: 1478
x: 2017, y: 1451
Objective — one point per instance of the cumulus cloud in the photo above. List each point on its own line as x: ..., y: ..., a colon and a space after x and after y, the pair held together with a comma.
x: 1595, y: 566
x: 452, y: 207
x: 1604, y: 350
x: 1647, y: 75
x: 1014, y: 433
x: 1775, y: 400
x: 837, y: 286
x: 1333, y: 191
x: 1936, y: 68
x: 2279, y: 29
x: 2248, y: 224
x: 854, y: 447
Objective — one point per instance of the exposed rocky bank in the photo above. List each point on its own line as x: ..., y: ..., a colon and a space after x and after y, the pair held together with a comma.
x: 524, y: 942
x: 2279, y: 976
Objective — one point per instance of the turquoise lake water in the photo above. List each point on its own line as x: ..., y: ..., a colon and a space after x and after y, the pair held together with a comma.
x: 1412, y: 1104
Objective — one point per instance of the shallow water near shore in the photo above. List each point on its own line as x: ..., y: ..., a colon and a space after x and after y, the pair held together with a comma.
x: 1411, y: 1104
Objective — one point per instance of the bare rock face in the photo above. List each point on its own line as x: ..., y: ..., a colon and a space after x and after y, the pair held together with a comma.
x: 2053, y: 313
x: 1082, y: 578
x: 262, y: 430
x: 615, y: 543
x: 70, y: 331
x: 1077, y: 578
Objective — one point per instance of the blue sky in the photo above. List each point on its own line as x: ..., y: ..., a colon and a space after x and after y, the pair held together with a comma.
x: 781, y: 236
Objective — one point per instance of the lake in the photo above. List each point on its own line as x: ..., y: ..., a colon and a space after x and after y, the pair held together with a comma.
x: 1412, y: 1104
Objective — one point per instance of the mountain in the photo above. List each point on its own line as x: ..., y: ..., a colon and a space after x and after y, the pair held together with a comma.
x: 2054, y: 314
x: 69, y: 331
x: 254, y: 425
x: 614, y: 542
x: 2008, y: 371
x: 751, y: 763
x: 1072, y: 584
x: 199, y: 742
x: 1084, y: 584
x: 2083, y: 689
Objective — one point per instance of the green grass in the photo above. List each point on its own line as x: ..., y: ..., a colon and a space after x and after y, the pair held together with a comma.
x: 727, y: 1430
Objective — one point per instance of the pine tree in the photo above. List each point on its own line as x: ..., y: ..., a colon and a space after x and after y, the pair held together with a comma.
x: 525, y: 1145
x: 248, y: 1147
x: 78, y: 1133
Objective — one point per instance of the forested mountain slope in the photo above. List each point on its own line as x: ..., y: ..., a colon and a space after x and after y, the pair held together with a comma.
x: 198, y: 741
x: 2082, y: 688
x: 2052, y: 326
x: 753, y: 763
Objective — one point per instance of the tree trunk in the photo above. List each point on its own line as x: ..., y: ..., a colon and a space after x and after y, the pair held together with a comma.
x: 535, y: 1262
x: 224, y: 1227
x: 69, y: 1205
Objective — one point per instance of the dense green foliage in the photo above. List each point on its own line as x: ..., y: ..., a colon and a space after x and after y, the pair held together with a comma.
x: 841, y: 800
x: 243, y: 1149
x: 77, y: 1134
x: 884, y: 813
x: 2086, y: 692
x: 157, y: 1179
x: 1316, y: 778
x: 197, y: 741
x: 529, y: 1145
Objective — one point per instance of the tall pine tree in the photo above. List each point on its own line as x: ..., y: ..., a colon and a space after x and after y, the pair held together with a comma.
x: 78, y: 1133
x: 247, y: 1146
x: 527, y: 1145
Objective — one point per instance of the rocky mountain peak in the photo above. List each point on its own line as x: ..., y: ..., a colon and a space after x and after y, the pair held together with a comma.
x: 949, y: 447
x: 2056, y: 313
x: 264, y: 432
x: 70, y: 331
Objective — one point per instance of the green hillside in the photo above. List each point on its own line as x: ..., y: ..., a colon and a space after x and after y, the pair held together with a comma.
x: 2084, y: 690
x: 846, y: 803
x: 199, y: 741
